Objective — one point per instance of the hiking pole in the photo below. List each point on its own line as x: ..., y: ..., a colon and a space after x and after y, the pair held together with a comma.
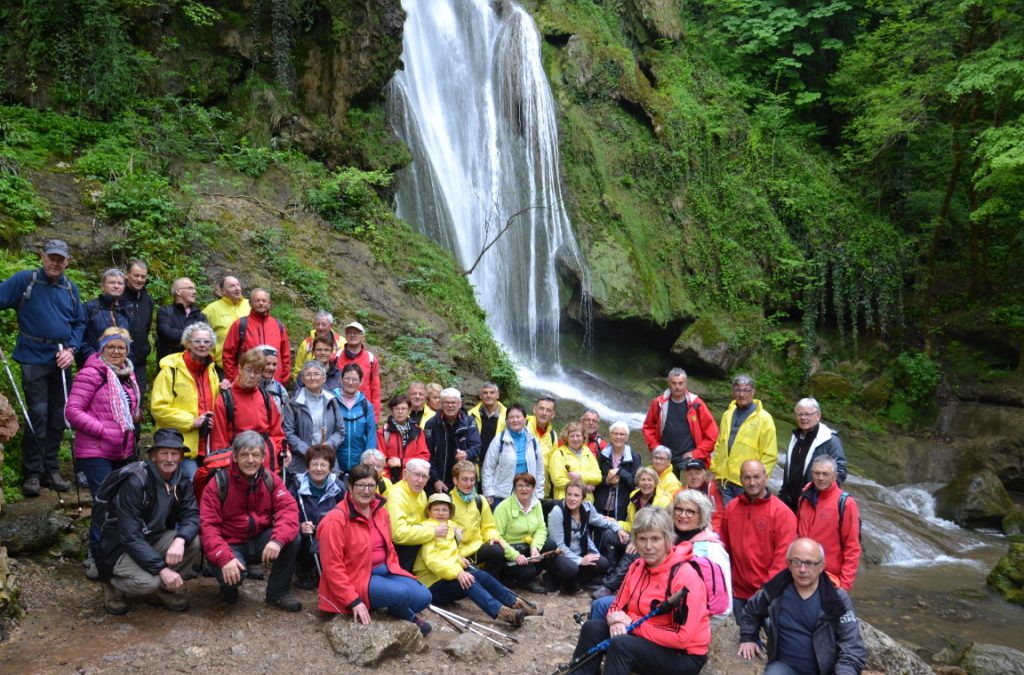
x: 598, y: 649
x: 470, y: 623
x: 464, y: 624
x: 534, y: 559
x: 316, y: 556
x: 463, y: 628
x: 74, y: 460
x: 17, y: 395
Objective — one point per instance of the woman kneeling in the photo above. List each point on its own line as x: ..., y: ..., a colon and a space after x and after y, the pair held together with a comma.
x: 450, y: 577
x: 674, y: 642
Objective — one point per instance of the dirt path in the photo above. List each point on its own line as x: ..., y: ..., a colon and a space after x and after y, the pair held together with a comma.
x: 66, y: 630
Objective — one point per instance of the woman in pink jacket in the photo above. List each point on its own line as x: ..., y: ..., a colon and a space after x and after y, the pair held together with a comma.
x: 103, y: 409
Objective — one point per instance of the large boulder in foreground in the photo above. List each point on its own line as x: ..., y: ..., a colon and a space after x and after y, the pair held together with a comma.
x: 985, y: 659
x: 886, y: 655
x: 367, y: 646
x: 976, y: 499
x: 1007, y: 577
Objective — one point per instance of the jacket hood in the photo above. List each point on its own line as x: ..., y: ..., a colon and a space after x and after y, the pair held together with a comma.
x: 627, y: 452
x: 332, y: 487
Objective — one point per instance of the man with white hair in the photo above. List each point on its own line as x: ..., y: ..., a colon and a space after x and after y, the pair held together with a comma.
x: 451, y: 437
x: 406, y: 502
x: 811, y: 439
x: 323, y: 326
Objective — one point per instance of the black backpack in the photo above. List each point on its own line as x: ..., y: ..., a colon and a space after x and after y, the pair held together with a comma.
x: 104, y: 516
x: 243, y: 324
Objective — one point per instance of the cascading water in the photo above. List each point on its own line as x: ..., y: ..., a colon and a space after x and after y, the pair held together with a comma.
x: 474, y: 106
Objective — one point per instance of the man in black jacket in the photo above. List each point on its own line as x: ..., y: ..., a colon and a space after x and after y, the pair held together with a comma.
x: 150, y: 533
x: 810, y: 621
x: 139, y: 305
x: 451, y: 437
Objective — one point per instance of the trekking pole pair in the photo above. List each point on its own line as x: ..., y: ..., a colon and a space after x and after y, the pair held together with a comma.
x: 595, y: 652
x: 533, y: 605
x: 462, y: 624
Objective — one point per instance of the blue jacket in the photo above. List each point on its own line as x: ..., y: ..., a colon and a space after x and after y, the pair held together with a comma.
x: 360, y: 431
x: 100, y: 314
x: 53, y: 313
x: 316, y: 509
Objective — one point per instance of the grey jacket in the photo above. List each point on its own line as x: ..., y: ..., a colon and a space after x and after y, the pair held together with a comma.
x: 500, y: 465
x: 298, y: 427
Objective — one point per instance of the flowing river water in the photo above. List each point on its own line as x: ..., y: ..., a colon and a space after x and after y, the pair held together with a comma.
x: 476, y: 110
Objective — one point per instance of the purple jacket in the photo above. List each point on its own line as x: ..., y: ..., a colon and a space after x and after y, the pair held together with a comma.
x: 97, y: 433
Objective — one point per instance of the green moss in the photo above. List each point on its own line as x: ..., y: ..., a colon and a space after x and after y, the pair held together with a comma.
x: 1007, y: 578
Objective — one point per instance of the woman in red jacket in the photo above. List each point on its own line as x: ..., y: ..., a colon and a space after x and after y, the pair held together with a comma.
x: 675, y: 642
x: 361, y: 570
x: 400, y: 439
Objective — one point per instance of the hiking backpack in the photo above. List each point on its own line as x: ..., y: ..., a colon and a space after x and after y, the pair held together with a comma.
x: 714, y: 583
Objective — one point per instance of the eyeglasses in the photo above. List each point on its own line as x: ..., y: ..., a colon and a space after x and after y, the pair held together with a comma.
x: 801, y: 564
x: 743, y: 390
x: 200, y: 341
x: 805, y: 415
x: 365, y: 487
x: 115, y: 348
x: 689, y: 513
x: 351, y: 380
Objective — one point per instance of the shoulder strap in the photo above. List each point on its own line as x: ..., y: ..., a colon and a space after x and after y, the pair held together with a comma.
x: 269, y: 482
x: 28, y: 289
x: 229, y: 408
x: 243, y: 324
x: 479, y: 504
x: 842, y: 507
x: 222, y: 484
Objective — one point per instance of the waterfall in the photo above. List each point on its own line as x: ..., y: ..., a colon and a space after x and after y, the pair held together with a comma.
x: 474, y: 106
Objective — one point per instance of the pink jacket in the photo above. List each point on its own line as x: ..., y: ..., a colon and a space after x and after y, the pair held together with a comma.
x: 97, y: 434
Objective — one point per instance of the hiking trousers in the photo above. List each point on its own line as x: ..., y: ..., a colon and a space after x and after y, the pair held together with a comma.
x: 133, y: 581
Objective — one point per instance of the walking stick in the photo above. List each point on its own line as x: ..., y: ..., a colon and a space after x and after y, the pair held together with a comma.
x: 474, y: 568
x: 598, y: 649
x: 316, y: 556
x: 470, y: 623
x: 74, y: 460
x: 535, y: 559
x: 463, y: 624
x: 17, y: 395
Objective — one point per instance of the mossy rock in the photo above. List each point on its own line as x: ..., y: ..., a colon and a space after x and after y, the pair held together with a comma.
x: 877, y: 393
x: 710, y: 345
x: 1013, y: 522
x: 661, y: 17
x: 830, y: 386
x: 974, y: 499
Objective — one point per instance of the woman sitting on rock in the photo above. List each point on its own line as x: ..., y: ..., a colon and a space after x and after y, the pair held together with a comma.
x: 450, y: 577
x: 361, y: 570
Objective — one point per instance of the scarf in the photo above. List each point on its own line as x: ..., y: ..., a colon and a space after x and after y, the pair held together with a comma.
x: 120, y: 405
x: 467, y: 498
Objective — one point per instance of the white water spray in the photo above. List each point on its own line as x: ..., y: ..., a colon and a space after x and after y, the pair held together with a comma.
x: 474, y: 106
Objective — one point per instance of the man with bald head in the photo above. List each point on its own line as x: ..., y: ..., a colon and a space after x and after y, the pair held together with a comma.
x: 257, y: 329
x: 173, y: 319
x: 756, y: 530
x: 810, y: 622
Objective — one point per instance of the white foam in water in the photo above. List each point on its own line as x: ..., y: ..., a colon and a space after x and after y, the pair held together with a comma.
x: 561, y: 386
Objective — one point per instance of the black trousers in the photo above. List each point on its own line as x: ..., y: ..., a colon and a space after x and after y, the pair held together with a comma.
x: 280, y: 580
x: 573, y: 575
x: 44, y: 398
x: 491, y: 557
x: 522, y: 574
x: 631, y: 654
x: 407, y: 556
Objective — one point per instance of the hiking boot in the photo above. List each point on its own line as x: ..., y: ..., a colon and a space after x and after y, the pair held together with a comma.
x: 424, y: 627
x: 30, y: 488
x: 601, y: 592
x: 287, y: 602
x: 535, y: 586
x: 306, y: 582
x: 54, y: 481
x: 528, y: 610
x: 168, y: 600
x: 511, y: 616
x: 255, y: 572
x: 113, y: 601
x: 229, y: 594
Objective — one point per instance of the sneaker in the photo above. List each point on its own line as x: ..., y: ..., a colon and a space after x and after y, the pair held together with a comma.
x: 54, y: 481
x: 601, y: 592
x: 91, y: 572
x: 511, y: 616
x: 30, y: 488
x: 528, y: 609
x: 229, y: 594
x: 168, y: 600
x: 287, y: 602
x: 424, y: 627
x: 113, y: 601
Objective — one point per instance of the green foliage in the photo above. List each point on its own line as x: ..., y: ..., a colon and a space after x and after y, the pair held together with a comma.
x: 308, y: 282
x: 916, y: 376
x: 421, y: 353
x: 348, y: 199
x: 252, y: 161
x: 21, y: 209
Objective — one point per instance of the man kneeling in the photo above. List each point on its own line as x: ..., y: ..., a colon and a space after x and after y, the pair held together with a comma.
x: 247, y: 516
x: 148, y: 534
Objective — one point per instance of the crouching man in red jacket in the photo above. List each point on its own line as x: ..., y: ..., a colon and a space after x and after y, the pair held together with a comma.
x: 246, y: 515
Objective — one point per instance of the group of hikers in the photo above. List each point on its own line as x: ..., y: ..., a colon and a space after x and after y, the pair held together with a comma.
x: 432, y: 503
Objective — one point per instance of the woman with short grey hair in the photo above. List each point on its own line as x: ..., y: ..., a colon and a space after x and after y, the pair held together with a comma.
x: 312, y: 416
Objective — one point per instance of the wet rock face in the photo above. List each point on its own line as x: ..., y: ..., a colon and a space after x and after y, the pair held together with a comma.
x: 976, y: 499
x: 986, y: 659
x: 10, y: 608
x: 1007, y: 577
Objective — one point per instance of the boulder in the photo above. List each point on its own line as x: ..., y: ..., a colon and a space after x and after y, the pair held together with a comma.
x: 992, y: 437
x: 1013, y: 523
x: 368, y: 645
x: 709, y: 345
x: 1007, y: 577
x: 10, y: 608
x: 986, y: 659
x: 877, y: 393
x: 8, y: 420
x: 470, y: 648
x: 32, y: 525
x: 722, y: 658
x: 976, y: 499
x: 886, y: 655
x: 830, y: 386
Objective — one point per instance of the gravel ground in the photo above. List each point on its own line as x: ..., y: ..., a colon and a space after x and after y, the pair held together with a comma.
x: 66, y: 630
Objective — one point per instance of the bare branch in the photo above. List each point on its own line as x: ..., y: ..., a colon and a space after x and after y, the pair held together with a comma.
x: 508, y: 224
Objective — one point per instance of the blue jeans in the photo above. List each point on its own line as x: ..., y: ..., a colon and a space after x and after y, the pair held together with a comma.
x: 728, y: 491
x: 487, y: 593
x: 96, y: 469
x: 401, y: 596
x: 599, y: 608
x: 779, y: 668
